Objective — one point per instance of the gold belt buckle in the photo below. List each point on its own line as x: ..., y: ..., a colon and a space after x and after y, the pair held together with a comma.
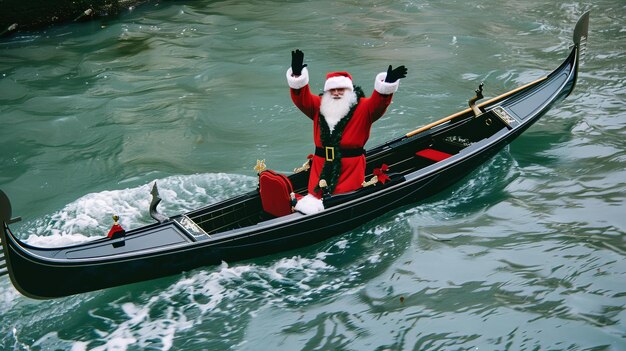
x: 330, y: 153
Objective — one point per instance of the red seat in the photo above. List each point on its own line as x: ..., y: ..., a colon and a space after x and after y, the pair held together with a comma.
x: 433, y: 154
x: 275, y: 190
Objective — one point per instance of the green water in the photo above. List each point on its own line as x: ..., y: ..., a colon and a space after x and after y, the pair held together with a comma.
x: 192, y: 93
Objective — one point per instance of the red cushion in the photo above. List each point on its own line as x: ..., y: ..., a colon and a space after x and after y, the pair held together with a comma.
x: 433, y: 154
x: 275, y: 190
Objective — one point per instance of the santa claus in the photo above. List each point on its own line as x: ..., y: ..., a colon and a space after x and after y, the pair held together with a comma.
x: 342, y: 118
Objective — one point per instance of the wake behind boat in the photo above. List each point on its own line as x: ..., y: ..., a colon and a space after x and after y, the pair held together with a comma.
x: 420, y: 164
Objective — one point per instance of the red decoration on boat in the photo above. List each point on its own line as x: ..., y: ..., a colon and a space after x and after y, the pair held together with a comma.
x: 116, y: 230
x: 432, y: 154
x: 276, y: 191
x: 380, y: 173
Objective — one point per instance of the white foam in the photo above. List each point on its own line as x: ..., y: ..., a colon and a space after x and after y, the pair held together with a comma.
x: 79, y: 346
x: 213, y: 294
x: 342, y: 244
x: 90, y: 215
x: 8, y: 295
x: 156, y: 319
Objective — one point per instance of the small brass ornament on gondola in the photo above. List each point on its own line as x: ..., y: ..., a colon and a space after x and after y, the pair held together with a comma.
x: 260, y: 166
x: 116, y: 230
x: 379, y: 176
x: 372, y: 181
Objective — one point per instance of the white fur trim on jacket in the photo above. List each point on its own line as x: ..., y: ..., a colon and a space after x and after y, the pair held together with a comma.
x: 309, y: 205
x: 298, y: 82
x: 383, y: 87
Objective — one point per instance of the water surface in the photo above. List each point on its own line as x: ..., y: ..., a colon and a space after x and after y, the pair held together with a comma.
x: 527, y: 253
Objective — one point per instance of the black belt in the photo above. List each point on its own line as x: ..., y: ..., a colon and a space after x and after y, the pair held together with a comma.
x: 328, y: 152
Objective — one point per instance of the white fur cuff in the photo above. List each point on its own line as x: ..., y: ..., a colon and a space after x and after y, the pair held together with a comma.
x: 298, y: 82
x: 383, y: 87
x: 309, y: 205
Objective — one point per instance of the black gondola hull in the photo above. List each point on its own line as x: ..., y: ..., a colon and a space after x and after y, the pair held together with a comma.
x: 217, y: 233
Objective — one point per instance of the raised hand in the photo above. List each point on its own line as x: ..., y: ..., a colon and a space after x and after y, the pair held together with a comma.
x: 297, y: 59
x: 394, y: 74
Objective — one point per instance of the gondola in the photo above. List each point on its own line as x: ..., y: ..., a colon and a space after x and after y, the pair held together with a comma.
x: 420, y: 164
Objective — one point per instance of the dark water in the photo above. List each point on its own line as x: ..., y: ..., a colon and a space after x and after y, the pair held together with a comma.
x: 525, y: 254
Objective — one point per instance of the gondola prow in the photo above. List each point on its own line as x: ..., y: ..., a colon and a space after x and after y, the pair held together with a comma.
x: 156, y: 199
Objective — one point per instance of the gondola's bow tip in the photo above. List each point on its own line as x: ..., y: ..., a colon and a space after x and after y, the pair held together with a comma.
x: 581, y: 30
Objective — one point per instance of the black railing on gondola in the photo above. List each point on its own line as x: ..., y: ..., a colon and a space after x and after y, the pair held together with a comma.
x: 3, y: 264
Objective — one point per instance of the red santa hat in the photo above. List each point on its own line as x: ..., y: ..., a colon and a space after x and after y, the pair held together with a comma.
x: 338, y: 80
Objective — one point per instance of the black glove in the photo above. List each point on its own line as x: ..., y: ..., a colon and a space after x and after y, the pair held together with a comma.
x: 297, y: 58
x: 395, y: 74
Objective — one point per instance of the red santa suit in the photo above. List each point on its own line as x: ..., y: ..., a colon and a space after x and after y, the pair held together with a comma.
x: 356, y: 132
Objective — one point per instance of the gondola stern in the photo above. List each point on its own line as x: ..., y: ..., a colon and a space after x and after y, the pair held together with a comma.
x: 5, y: 219
x: 8, y: 241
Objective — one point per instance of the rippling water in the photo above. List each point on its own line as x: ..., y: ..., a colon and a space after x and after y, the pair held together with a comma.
x: 525, y: 254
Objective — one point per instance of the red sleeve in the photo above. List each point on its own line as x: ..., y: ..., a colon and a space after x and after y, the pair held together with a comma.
x: 308, y: 103
x: 376, y: 105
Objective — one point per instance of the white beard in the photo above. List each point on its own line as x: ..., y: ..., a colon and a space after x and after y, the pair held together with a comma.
x: 336, y: 109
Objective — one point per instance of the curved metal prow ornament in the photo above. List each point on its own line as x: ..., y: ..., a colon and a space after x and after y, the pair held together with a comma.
x: 472, y: 101
x: 581, y: 31
x: 156, y: 199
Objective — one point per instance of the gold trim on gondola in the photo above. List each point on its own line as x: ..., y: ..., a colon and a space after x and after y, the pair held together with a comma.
x: 260, y: 166
x: 372, y: 181
x: 451, y: 117
x: 305, y: 167
x: 504, y: 116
